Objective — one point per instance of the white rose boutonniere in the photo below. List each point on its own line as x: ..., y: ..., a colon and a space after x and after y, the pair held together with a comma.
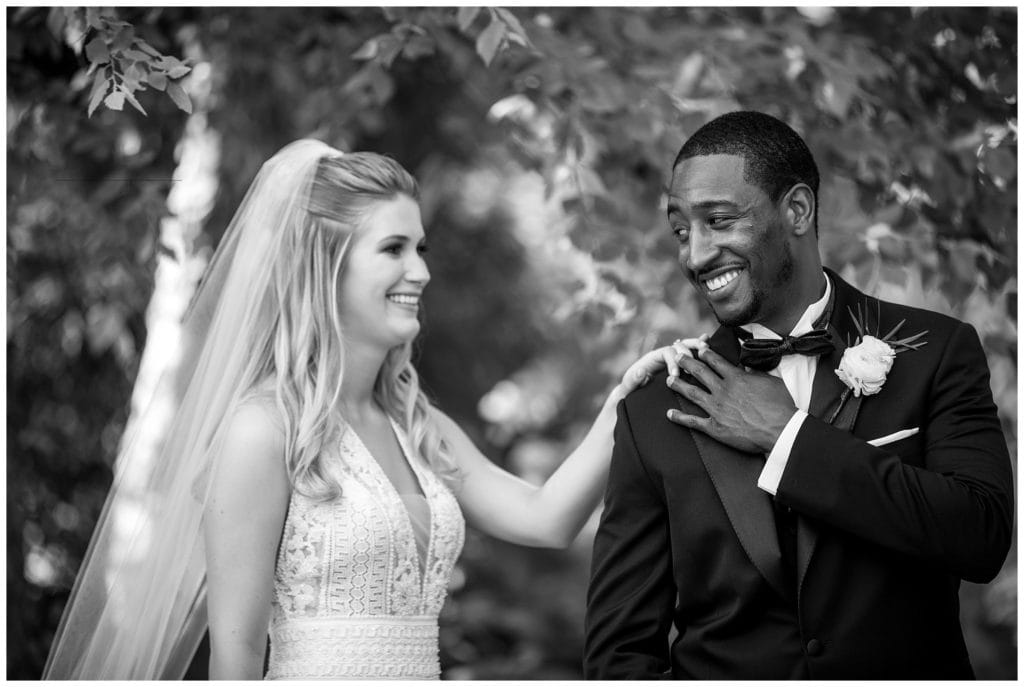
x: 865, y: 365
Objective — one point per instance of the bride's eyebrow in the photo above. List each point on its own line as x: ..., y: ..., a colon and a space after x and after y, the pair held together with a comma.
x: 401, y: 237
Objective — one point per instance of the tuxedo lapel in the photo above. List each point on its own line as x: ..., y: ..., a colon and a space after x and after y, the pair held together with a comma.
x: 831, y: 400
x: 734, y: 475
x: 827, y: 389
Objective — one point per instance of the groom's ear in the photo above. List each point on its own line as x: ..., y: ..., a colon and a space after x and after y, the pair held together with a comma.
x: 798, y: 209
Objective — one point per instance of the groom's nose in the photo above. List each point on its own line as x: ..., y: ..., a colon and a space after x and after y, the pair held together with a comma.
x: 702, y: 249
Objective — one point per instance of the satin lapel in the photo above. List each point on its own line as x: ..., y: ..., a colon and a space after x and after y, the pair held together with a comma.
x: 734, y: 475
x: 827, y: 389
x: 831, y: 400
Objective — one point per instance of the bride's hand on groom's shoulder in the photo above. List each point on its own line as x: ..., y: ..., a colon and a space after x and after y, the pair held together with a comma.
x: 667, y: 357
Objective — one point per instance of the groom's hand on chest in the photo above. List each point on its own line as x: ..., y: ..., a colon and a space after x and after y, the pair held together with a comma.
x: 745, y: 409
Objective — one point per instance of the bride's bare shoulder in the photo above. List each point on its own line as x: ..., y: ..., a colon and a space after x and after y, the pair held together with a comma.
x: 256, y: 421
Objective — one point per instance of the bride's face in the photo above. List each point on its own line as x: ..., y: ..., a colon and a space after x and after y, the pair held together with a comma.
x: 381, y: 285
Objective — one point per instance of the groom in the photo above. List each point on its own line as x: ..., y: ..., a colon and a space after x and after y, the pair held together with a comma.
x: 791, y: 521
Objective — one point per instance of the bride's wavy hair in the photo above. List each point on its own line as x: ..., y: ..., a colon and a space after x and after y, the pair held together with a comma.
x: 303, y: 357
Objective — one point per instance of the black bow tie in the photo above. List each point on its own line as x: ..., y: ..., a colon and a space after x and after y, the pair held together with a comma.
x: 765, y: 354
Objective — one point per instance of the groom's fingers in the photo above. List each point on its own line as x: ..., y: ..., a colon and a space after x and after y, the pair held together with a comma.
x: 691, y: 392
x: 703, y: 372
x: 720, y: 365
x: 700, y: 424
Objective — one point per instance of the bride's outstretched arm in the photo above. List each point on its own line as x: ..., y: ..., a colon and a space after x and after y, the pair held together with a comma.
x: 242, y: 526
x: 550, y: 515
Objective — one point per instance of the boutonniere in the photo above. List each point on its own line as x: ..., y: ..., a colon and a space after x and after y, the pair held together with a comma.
x: 866, y: 364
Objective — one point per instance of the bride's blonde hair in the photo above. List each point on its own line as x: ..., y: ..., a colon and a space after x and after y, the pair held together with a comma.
x: 302, y: 359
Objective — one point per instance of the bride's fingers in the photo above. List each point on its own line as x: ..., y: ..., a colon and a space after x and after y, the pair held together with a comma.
x: 666, y: 357
x: 686, y: 347
x: 640, y: 372
x: 671, y: 358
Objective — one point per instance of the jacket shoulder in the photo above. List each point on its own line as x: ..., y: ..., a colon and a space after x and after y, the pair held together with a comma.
x: 881, y: 316
x: 654, y: 394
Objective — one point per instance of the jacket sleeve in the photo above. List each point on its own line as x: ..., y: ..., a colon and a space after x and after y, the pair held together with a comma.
x: 956, y: 510
x: 632, y: 593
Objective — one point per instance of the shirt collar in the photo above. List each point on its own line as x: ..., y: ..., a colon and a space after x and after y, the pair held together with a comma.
x: 803, y: 325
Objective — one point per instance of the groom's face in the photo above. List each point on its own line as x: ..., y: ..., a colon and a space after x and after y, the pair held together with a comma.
x: 733, y: 241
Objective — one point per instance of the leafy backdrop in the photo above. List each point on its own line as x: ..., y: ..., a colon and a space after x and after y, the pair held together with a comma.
x: 542, y: 138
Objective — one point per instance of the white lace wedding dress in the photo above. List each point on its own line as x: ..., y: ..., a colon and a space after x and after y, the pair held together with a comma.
x: 360, y: 580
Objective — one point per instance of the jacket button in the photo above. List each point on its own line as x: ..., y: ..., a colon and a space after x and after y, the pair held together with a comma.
x: 814, y: 647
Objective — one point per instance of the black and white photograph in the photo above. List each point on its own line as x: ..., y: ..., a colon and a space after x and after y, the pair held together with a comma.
x: 549, y: 343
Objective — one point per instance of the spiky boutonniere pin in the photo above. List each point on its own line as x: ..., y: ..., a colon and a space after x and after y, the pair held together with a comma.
x: 866, y: 364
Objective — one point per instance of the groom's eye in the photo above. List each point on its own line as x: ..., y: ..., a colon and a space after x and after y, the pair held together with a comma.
x: 682, y: 234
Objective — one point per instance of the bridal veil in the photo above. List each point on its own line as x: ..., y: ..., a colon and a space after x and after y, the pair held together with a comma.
x: 137, y: 609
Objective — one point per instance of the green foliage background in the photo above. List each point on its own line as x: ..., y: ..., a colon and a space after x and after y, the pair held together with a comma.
x: 542, y: 138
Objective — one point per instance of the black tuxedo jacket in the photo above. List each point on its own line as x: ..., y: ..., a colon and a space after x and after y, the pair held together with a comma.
x: 884, y: 534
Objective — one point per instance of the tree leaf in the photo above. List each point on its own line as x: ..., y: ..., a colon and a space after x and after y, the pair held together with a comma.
x: 96, y: 50
x: 135, y: 103
x: 137, y: 55
x: 178, y: 71
x: 115, y: 101
x: 133, y: 75
x: 514, y: 37
x: 367, y: 51
x: 388, y: 49
x: 168, y: 62
x: 92, y: 17
x: 123, y: 39
x: 147, y: 48
x: 1000, y: 163
x: 589, y: 183
x: 418, y: 46
x: 513, y: 23
x: 489, y: 40
x: 179, y: 97
x: 100, y: 86
x: 157, y: 80
x: 466, y: 16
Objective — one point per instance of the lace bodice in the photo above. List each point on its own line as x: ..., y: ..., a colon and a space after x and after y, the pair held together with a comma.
x: 352, y: 597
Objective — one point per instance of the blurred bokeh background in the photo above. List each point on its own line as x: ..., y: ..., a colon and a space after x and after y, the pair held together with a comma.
x: 542, y: 138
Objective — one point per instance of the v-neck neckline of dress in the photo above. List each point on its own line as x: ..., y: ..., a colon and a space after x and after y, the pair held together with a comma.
x: 387, y: 489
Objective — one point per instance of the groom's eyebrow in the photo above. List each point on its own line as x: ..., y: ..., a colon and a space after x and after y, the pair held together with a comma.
x: 676, y: 207
x: 712, y: 203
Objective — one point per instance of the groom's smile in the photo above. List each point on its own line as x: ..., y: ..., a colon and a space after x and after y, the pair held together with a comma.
x: 716, y: 283
x: 721, y: 281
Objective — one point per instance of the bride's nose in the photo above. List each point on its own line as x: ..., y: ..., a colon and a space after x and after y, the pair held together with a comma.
x: 416, y: 270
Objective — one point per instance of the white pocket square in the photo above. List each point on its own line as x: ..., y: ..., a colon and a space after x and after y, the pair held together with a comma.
x: 895, y: 436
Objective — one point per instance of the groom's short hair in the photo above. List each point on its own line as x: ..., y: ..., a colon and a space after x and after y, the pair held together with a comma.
x: 775, y: 155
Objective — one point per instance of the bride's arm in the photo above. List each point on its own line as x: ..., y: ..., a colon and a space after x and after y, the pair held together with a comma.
x: 242, y: 527
x: 550, y: 515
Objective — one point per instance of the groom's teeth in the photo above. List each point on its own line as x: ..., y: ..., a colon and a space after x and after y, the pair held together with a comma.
x: 715, y: 283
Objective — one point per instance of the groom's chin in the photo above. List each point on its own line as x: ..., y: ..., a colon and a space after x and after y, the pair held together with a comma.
x: 733, y: 317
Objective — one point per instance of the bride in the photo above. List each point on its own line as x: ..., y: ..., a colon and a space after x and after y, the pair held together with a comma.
x: 307, y: 485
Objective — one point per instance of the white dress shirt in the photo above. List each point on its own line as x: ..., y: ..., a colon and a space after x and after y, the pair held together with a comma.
x: 797, y: 373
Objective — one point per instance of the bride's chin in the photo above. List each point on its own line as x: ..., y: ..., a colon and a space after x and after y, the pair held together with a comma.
x: 407, y: 337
